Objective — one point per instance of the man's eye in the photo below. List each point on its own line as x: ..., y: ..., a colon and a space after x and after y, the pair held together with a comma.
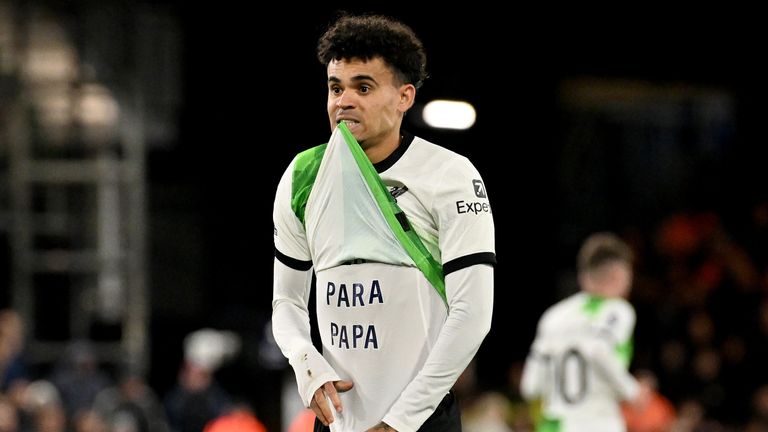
x: 364, y: 89
x: 335, y: 90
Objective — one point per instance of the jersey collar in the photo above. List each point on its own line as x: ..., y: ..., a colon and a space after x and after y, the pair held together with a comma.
x: 405, y: 142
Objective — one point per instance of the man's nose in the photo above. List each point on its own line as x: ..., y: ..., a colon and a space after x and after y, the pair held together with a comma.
x: 345, y: 100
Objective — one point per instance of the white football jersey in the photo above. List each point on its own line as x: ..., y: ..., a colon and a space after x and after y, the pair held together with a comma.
x: 378, y: 315
x: 578, y: 363
x: 441, y: 193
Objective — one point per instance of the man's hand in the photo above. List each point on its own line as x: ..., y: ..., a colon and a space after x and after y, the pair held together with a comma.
x: 319, y: 402
x: 382, y: 427
x: 644, y: 394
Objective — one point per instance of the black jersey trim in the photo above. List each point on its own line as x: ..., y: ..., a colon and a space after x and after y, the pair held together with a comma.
x: 400, y: 216
x: 293, y: 262
x: 395, y: 155
x: 468, y: 261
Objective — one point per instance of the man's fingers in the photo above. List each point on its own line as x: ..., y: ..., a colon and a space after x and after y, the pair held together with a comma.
x: 342, y: 386
x: 338, y: 387
x: 318, y: 413
x: 319, y: 402
x: 381, y: 427
x: 330, y: 390
x: 322, y: 410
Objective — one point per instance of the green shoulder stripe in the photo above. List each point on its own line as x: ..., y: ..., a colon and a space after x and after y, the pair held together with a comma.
x: 623, y: 350
x: 304, y: 173
x: 593, y: 305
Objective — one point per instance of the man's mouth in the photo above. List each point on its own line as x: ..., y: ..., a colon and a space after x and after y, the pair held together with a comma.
x: 348, y: 122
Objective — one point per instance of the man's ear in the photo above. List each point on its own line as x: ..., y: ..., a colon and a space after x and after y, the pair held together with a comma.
x: 407, y: 97
x: 585, y: 284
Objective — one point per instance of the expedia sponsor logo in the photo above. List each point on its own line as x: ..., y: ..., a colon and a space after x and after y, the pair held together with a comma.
x: 479, y: 188
x: 477, y: 207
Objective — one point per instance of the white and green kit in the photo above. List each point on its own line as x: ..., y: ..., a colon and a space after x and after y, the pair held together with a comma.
x: 404, y: 280
x: 578, y: 364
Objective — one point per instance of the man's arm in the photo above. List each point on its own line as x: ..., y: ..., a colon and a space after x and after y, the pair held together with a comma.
x: 470, y: 306
x: 290, y: 325
x: 290, y: 314
x: 466, y: 244
x: 613, y: 330
x: 534, y: 378
x: 607, y: 362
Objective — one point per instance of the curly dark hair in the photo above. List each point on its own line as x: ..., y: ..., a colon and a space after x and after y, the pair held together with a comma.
x: 368, y: 36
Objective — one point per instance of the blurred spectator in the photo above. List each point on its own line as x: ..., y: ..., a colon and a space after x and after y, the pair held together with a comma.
x: 707, y: 382
x: 759, y: 418
x: 90, y: 421
x: 43, y: 407
x: 237, y: 420
x: 674, y: 374
x: 521, y: 412
x: 9, y: 417
x: 50, y: 418
x: 131, y: 406
x: 465, y: 388
x: 303, y: 422
x: 489, y: 413
x: 692, y: 417
x: 701, y: 329
x: 197, y: 397
x: 13, y: 370
x: 78, y: 378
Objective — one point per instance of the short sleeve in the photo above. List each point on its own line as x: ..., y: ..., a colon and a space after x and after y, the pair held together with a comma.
x: 290, y: 236
x: 464, y: 217
x: 617, y: 321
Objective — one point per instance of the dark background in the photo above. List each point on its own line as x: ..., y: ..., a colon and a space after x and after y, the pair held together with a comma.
x: 252, y: 94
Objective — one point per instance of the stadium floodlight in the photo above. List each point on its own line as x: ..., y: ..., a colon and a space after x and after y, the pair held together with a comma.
x: 449, y: 114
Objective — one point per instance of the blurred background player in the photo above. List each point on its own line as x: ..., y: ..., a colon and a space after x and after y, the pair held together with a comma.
x: 577, y: 365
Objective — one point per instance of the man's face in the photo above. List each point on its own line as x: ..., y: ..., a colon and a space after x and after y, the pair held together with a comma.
x: 612, y: 279
x: 367, y: 97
